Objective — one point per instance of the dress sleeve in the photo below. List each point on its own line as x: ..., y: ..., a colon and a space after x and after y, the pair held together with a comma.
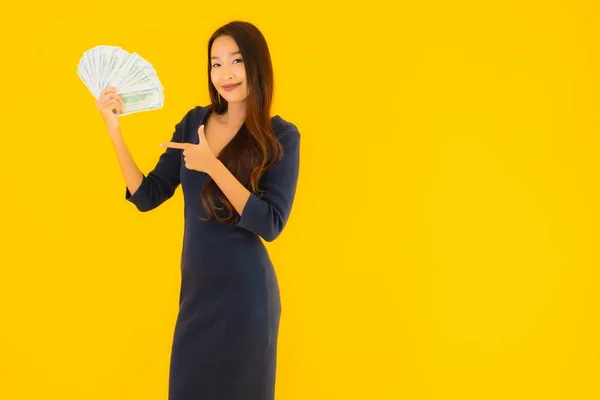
x: 160, y: 183
x: 268, y: 214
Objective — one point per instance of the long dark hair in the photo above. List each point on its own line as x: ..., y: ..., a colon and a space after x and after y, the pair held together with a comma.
x: 255, y: 148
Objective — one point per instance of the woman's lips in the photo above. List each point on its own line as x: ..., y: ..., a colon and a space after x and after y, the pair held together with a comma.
x: 231, y: 86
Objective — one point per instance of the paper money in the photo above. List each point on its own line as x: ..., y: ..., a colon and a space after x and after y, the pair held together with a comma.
x: 135, y: 78
x: 144, y: 99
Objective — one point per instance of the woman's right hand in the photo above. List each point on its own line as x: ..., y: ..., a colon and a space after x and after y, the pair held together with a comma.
x: 110, y: 104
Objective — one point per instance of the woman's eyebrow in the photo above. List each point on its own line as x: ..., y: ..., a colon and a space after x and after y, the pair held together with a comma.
x: 231, y: 54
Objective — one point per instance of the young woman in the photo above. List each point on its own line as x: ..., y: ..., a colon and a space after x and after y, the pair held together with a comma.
x: 238, y: 169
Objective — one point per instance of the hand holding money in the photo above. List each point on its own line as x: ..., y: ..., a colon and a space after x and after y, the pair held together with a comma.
x: 110, y: 105
x: 105, y: 68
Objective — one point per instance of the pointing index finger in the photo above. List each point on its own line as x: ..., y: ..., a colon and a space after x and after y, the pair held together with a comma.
x: 175, y: 145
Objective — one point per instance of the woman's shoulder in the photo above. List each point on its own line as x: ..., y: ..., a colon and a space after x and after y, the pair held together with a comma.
x: 192, y: 116
x: 286, y: 132
x: 197, y: 112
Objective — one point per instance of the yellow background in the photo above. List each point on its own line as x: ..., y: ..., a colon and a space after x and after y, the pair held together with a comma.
x: 444, y: 239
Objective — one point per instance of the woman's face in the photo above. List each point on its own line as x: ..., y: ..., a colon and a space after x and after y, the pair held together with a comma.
x: 227, y: 72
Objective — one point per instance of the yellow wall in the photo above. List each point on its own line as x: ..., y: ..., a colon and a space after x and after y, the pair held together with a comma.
x: 444, y: 241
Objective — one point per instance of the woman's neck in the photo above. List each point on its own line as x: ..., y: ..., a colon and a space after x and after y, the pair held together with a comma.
x: 235, y: 115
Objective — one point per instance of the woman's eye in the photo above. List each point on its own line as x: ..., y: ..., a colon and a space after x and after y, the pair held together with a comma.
x: 238, y: 59
x: 215, y: 65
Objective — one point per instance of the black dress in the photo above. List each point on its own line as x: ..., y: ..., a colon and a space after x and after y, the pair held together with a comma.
x: 225, y: 339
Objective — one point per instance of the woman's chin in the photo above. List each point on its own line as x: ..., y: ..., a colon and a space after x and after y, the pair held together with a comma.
x: 235, y: 99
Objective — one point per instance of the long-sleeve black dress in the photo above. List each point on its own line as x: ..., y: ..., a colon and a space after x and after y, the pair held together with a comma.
x: 225, y: 340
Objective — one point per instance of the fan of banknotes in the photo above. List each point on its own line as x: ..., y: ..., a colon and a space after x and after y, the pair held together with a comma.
x: 135, y: 78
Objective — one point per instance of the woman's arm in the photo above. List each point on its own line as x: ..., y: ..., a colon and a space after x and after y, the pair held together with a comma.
x: 236, y: 193
x: 110, y: 103
x: 130, y: 171
x: 268, y: 214
x: 158, y: 185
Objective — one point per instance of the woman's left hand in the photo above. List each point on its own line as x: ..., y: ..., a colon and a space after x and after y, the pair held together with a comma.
x: 198, y: 157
